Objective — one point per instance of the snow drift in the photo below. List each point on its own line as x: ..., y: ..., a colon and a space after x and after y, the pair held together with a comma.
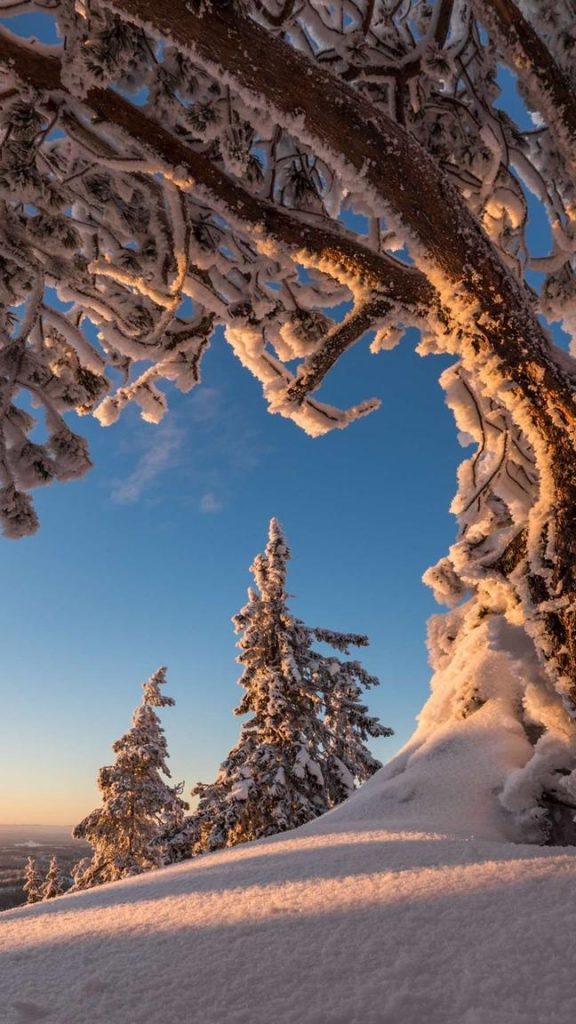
x: 411, y: 902
x: 369, y: 915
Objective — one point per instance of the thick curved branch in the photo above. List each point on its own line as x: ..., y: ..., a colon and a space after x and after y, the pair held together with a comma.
x: 371, y: 150
x: 500, y: 338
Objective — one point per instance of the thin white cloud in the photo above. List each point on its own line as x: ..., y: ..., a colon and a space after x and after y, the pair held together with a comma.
x: 205, y: 405
x: 210, y: 503
x: 158, y: 457
x: 203, y: 449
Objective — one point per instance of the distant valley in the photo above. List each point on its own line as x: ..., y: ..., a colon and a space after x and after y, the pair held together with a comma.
x: 18, y: 842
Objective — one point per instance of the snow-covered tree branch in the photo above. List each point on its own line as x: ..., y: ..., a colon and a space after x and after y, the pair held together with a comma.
x: 171, y: 168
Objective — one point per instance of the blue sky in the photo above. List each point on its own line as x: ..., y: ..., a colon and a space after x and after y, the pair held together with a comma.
x: 144, y: 561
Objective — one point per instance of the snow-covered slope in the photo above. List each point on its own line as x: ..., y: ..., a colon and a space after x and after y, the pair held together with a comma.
x: 408, y: 904
x: 358, y: 918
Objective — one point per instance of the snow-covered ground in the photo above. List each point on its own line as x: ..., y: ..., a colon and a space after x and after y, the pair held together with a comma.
x: 408, y: 904
x: 361, y: 917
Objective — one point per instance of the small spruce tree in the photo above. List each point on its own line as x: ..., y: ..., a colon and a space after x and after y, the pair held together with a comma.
x: 55, y: 882
x: 32, y: 881
x: 138, y: 806
x: 289, y: 765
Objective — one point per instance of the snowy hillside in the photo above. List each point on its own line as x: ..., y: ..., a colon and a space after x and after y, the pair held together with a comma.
x: 358, y: 918
x: 410, y: 903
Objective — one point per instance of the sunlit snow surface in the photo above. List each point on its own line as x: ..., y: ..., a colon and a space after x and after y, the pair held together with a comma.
x: 407, y: 904
x: 343, y: 922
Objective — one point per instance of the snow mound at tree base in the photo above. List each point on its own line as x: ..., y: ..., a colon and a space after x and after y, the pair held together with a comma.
x: 331, y: 924
x: 445, y: 779
x: 488, y: 749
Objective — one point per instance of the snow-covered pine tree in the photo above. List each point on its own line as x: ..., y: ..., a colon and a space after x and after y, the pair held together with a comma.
x: 32, y: 881
x: 288, y: 765
x: 55, y: 882
x: 138, y: 806
x: 215, y: 190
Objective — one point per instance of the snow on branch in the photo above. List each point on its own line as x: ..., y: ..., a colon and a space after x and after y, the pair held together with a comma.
x: 163, y: 183
x: 145, y: 239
